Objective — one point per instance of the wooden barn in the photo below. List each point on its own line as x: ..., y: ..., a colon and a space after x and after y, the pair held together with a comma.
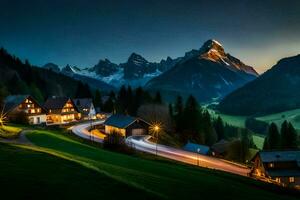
x: 61, y: 110
x: 282, y: 167
x: 14, y: 105
x: 126, y: 125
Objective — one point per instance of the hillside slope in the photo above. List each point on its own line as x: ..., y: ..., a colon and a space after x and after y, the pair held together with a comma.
x: 275, y: 91
x: 154, y: 175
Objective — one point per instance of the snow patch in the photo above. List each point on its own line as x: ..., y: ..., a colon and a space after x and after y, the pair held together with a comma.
x: 218, y: 43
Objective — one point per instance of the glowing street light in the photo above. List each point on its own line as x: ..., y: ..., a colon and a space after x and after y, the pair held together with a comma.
x: 156, y: 128
x: 2, y: 118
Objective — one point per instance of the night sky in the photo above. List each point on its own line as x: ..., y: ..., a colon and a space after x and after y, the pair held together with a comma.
x: 82, y: 32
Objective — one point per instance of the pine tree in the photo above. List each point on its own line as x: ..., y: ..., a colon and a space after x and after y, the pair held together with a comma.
x: 98, y: 99
x: 129, y: 106
x: 273, y: 137
x: 121, y: 103
x: 292, y: 137
x: 266, y: 145
x: 178, y: 114
x: 284, y: 135
x: 245, y: 145
x: 83, y: 91
x: 157, y: 98
x: 219, y: 127
x: 109, y: 105
x: 138, y: 99
x: 210, y: 135
x: 191, y: 120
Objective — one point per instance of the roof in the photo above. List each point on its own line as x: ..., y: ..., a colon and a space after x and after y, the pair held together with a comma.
x: 13, y: 101
x: 120, y: 121
x: 197, y: 148
x: 83, y: 103
x: 279, y: 156
x: 284, y: 173
x: 57, y: 103
x: 221, y: 146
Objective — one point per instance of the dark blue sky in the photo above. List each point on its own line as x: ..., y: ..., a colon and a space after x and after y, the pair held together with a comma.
x: 82, y: 32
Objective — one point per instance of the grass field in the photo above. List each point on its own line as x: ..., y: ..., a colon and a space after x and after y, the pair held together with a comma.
x: 162, y: 179
x: 292, y: 115
x: 258, y: 141
x: 238, y: 121
x: 28, y: 174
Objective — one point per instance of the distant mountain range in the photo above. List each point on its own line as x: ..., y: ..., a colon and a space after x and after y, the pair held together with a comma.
x: 208, y: 73
x: 276, y: 90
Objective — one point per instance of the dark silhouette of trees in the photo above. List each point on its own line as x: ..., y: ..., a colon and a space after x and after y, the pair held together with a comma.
x: 109, y: 105
x: 178, y: 114
x: 219, y: 127
x: 158, y: 98
x: 98, y: 99
x: 285, y: 140
x: 83, y: 91
x: 272, y: 141
x: 207, y: 128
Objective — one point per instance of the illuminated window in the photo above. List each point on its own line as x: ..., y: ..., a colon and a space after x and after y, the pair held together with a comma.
x: 291, y: 179
x: 32, y: 111
x: 277, y: 180
x: 271, y: 165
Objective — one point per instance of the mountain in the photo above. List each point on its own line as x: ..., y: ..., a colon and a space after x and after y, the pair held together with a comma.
x: 208, y: 73
x: 274, y: 91
x: 52, y: 66
x: 105, y: 68
x: 137, y: 71
x: 75, y: 73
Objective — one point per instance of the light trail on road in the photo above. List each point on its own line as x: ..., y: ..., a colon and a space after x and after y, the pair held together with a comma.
x: 142, y: 143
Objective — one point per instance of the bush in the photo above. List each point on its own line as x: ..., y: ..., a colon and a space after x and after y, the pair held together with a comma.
x: 116, y: 142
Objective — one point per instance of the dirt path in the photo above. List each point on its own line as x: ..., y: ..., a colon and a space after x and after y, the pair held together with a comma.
x: 20, y: 140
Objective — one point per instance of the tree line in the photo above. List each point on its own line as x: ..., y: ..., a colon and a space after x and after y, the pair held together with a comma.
x: 285, y: 139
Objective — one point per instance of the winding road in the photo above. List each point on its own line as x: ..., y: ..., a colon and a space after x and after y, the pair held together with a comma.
x: 142, y: 143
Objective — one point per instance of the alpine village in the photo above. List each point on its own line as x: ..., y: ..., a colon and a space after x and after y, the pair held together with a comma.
x: 200, y: 125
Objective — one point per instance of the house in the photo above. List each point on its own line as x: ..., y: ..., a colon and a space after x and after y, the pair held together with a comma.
x: 126, y: 125
x: 15, y: 104
x: 61, y: 110
x: 280, y: 166
x: 196, y: 148
x: 86, y: 108
x: 220, y: 148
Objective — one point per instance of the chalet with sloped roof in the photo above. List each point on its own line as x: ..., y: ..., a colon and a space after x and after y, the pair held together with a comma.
x: 16, y: 104
x: 61, y: 110
x: 86, y: 108
x: 282, y: 167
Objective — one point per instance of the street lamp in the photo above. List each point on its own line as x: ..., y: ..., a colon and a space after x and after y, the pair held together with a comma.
x: 91, y: 125
x: 198, y: 151
x: 2, y: 118
x: 156, y: 129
